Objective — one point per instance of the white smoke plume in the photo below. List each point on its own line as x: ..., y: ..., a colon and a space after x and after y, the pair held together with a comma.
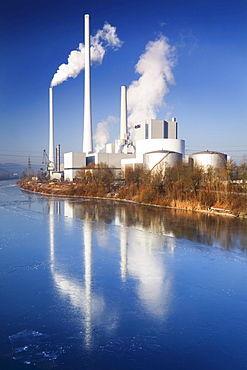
x: 146, y: 95
x: 104, y: 39
x: 102, y: 135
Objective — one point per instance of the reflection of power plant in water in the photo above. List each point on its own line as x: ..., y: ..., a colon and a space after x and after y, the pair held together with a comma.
x: 51, y: 232
x: 123, y: 253
x: 139, y: 261
x: 80, y: 297
x: 138, y: 256
x: 146, y: 265
x: 122, y: 214
x: 88, y: 281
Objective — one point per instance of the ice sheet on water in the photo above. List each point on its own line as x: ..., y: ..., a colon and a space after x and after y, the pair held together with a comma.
x: 31, y: 347
x: 7, y: 184
x: 26, y: 335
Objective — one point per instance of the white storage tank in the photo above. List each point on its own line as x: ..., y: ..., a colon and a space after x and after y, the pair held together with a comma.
x: 209, y: 158
x: 163, y: 157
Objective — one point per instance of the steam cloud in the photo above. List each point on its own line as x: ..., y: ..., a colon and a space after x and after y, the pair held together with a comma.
x: 146, y: 95
x: 102, y: 136
x: 103, y: 40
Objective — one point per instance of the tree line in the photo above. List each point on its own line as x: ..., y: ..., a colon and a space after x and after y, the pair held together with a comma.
x: 181, y: 186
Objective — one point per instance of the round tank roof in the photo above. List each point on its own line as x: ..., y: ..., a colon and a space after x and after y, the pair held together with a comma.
x: 162, y: 151
x: 208, y: 152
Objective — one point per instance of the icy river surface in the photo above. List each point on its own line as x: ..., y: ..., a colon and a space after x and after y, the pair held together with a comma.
x: 98, y: 284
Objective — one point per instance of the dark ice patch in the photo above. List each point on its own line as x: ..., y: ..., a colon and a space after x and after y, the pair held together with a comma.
x: 33, y: 347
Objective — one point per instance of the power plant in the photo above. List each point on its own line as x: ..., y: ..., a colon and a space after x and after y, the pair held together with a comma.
x: 151, y: 142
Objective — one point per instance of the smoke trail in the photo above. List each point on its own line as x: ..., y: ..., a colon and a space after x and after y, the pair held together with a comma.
x: 102, y: 136
x: 146, y: 95
x: 103, y: 40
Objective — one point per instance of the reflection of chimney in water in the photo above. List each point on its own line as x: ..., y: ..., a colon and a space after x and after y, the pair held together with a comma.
x: 123, y: 252
x: 120, y: 219
x: 68, y: 209
x: 87, y: 231
x: 79, y: 296
x: 51, y: 233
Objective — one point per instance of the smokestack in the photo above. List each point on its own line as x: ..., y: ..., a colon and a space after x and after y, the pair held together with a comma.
x: 87, y: 134
x: 58, y: 158
x: 51, y: 131
x: 123, y: 113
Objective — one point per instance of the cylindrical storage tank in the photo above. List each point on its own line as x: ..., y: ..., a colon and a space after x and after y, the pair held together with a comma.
x: 163, y: 158
x: 209, y: 158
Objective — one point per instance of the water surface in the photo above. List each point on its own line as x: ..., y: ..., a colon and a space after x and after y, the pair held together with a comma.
x: 90, y: 284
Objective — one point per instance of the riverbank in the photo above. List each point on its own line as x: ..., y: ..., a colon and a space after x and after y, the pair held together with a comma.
x: 75, y: 189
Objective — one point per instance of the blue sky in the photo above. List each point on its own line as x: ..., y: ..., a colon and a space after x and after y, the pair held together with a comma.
x: 208, y: 97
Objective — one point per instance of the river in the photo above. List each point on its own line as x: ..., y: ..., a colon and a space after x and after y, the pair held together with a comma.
x: 98, y: 284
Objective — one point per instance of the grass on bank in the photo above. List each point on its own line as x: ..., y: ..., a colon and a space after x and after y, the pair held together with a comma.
x: 181, y: 186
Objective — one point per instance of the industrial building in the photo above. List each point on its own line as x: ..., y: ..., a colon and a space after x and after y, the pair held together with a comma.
x: 149, y: 142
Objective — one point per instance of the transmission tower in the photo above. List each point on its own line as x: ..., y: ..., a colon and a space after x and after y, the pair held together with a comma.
x: 29, y: 169
x: 45, y: 157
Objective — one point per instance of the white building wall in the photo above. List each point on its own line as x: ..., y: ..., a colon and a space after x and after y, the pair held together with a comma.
x: 172, y: 129
x: 111, y: 159
x: 56, y: 176
x: 110, y: 148
x: 151, y: 129
x: 69, y: 175
x: 152, y: 145
x: 139, y: 131
x: 73, y: 161
x: 130, y: 162
x: 156, y: 129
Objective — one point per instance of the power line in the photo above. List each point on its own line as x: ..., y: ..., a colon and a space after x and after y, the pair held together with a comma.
x: 226, y: 146
x: 18, y: 155
x: 20, y: 151
x: 230, y: 151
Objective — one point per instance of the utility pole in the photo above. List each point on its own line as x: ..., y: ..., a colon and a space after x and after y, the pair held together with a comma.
x: 29, y: 169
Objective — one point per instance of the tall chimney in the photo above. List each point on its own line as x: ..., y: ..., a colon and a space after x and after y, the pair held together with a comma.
x: 123, y: 113
x: 58, y: 158
x: 51, y: 132
x: 87, y: 134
